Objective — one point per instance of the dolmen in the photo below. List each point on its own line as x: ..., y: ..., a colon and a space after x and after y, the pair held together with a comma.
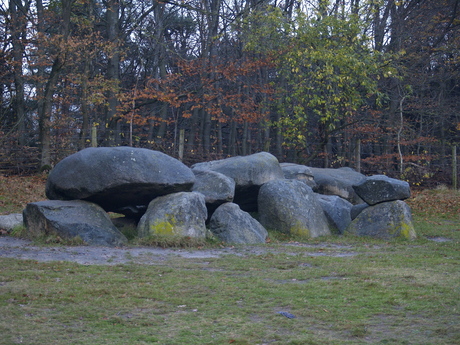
x: 237, y: 199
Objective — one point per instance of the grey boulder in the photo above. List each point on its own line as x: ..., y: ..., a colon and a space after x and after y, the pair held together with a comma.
x: 248, y: 172
x: 338, y: 182
x: 216, y: 188
x: 299, y: 172
x: 386, y: 220
x: 380, y: 188
x: 71, y: 219
x: 120, y: 179
x: 10, y: 221
x: 337, y: 211
x: 357, y: 209
x: 291, y: 207
x: 180, y: 214
x: 232, y: 225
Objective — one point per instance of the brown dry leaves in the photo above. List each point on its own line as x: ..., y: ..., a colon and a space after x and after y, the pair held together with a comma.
x: 17, y: 191
x: 439, y: 203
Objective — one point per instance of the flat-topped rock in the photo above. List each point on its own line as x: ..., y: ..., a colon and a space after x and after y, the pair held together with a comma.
x: 380, y: 188
x: 338, y: 182
x: 72, y: 219
x: 299, y: 172
x: 118, y: 178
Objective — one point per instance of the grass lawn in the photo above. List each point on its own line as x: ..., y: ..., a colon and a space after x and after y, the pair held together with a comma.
x: 340, y: 290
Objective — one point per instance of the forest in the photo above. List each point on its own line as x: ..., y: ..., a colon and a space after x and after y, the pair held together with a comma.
x: 370, y: 84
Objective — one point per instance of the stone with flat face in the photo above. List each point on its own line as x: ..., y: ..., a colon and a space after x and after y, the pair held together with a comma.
x: 299, y: 172
x: 118, y: 178
x: 71, y: 219
x: 380, y: 188
x: 337, y: 211
x: 338, y: 182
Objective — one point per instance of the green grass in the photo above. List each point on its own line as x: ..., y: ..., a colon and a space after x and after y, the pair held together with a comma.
x: 342, y: 290
x: 388, y: 293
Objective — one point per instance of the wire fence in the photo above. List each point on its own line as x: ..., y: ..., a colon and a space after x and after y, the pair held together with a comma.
x: 433, y: 165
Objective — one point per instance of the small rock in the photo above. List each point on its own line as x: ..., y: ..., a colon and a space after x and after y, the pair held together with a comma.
x: 10, y: 221
x: 232, y: 225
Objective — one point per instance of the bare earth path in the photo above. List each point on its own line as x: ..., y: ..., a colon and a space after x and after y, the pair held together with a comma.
x: 12, y: 247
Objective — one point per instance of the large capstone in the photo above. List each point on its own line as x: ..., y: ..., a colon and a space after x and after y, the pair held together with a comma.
x: 290, y: 206
x: 338, y: 182
x: 232, y: 225
x: 119, y: 179
x: 70, y: 220
x: 380, y: 188
x: 384, y: 221
x: 176, y: 215
x: 249, y: 173
x: 299, y: 172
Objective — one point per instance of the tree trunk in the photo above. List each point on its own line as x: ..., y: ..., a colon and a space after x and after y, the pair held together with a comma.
x: 113, y: 71
x: 279, y: 139
x: 18, y: 26
x: 219, y: 139
x: 192, y: 131
x: 163, y: 123
x: 206, y: 132
x: 85, y: 126
x: 232, y: 149
x: 244, y: 140
x: 44, y: 121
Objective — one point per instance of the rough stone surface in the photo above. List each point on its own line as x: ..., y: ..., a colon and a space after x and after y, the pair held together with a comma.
x: 299, y: 172
x: 120, y: 179
x: 249, y: 173
x: 357, y: 209
x: 290, y: 206
x: 180, y: 214
x: 232, y: 225
x: 338, y: 182
x: 216, y: 188
x: 71, y: 219
x: 381, y: 188
x: 337, y: 212
x: 385, y: 221
x: 10, y: 221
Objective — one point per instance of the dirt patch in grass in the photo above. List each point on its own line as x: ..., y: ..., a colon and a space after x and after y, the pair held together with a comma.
x: 12, y: 247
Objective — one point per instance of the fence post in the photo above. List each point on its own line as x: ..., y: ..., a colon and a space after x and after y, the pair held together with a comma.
x: 454, y: 167
x: 181, y: 144
x: 94, y: 136
x: 358, y: 155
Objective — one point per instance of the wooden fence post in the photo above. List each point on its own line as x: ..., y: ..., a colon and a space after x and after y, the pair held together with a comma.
x: 454, y: 167
x: 181, y: 144
x: 358, y: 155
x: 94, y: 136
